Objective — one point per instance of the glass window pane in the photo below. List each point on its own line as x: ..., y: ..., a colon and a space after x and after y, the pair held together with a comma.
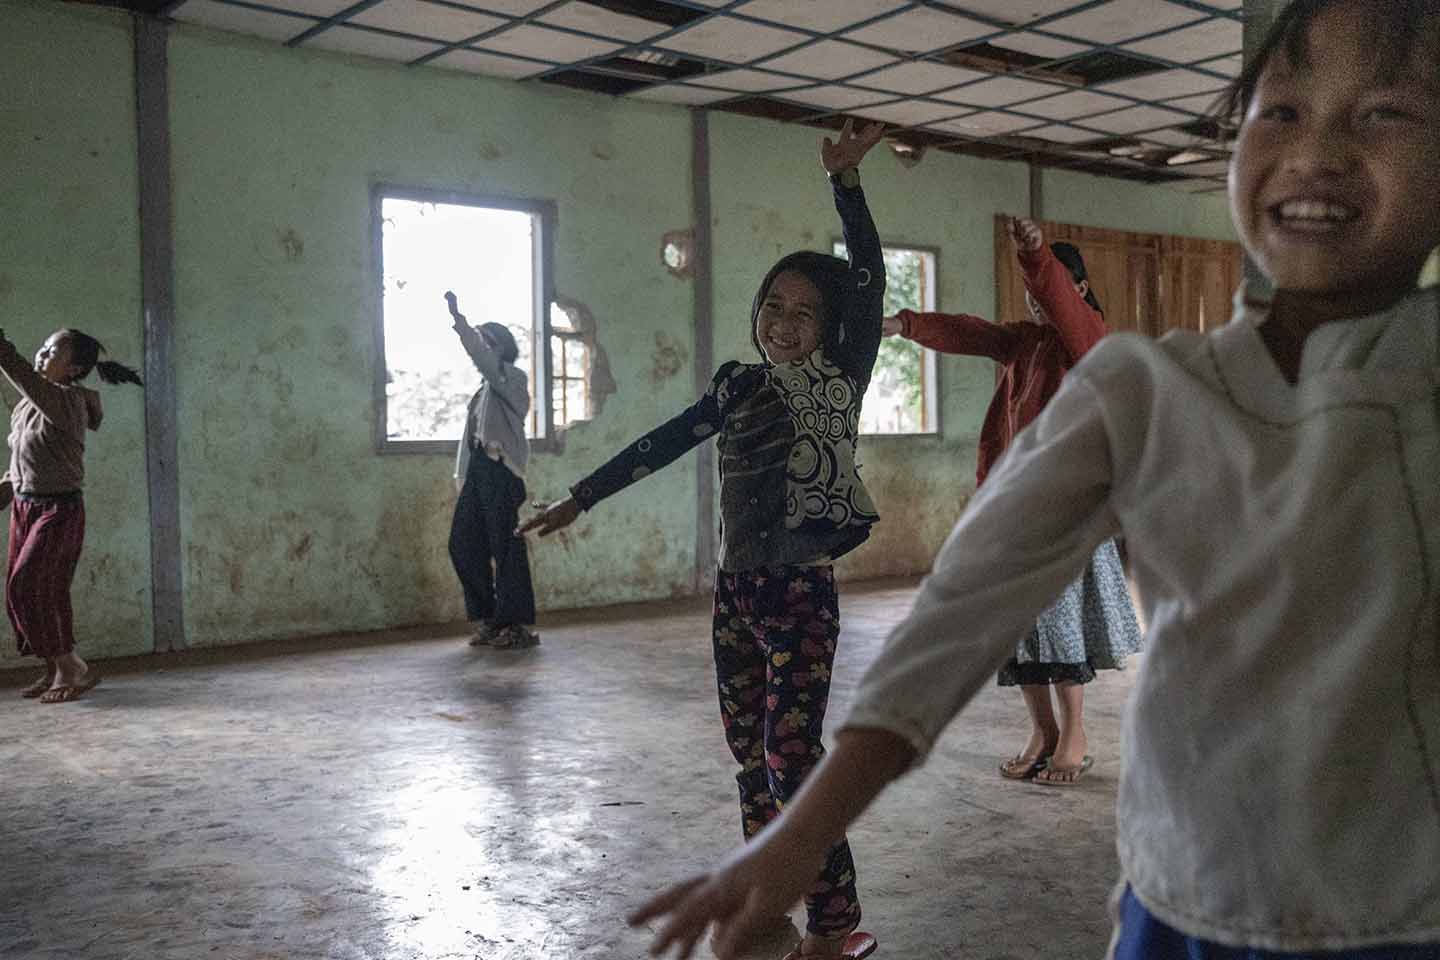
x: 485, y: 255
x: 899, y: 391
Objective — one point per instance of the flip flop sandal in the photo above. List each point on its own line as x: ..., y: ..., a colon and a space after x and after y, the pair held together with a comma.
x: 857, y: 946
x: 1074, y: 773
x: 37, y: 688
x: 73, y: 691
x: 1012, y: 770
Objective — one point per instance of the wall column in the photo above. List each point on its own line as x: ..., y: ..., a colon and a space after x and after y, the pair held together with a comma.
x: 157, y: 278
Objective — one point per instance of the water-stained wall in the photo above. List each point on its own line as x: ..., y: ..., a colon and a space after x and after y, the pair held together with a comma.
x: 292, y: 523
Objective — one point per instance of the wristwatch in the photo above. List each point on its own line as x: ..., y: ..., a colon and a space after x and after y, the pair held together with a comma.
x: 849, y: 177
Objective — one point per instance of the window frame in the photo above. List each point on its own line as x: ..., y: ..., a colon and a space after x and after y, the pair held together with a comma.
x: 542, y: 240
x: 933, y: 356
x: 558, y: 376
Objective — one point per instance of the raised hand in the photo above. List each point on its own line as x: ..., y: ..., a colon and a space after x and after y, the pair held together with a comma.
x: 891, y: 326
x: 456, y: 316
x: 1026, y: 234
x: 852, y: 146
x: 556, y: 516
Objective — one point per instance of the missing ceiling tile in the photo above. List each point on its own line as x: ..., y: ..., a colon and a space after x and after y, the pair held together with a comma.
x: 648, y: 69
x: 769, y: 109
x: 595, y: 82
x: 995, y: 58
x: 1103, y: 66
x: 656, y: 11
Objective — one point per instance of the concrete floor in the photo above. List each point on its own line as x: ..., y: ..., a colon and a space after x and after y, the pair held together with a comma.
x: 415, y: 798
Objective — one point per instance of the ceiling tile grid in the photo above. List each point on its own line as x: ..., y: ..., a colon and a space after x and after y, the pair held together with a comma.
x: 1118, y: 86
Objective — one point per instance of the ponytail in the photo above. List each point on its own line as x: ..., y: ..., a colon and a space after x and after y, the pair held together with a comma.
x: 112, y: 372
x: 85, y: 353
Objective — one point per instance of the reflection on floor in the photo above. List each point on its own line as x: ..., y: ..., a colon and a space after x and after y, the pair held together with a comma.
x: 416, y: 798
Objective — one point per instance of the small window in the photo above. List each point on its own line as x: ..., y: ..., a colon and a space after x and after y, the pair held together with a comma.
x: 570, y: 353
x: 491, y: 254
x: 903, y: 388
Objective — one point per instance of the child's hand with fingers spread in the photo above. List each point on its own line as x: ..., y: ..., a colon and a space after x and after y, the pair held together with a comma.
x: 1026, y: 234
x: 743, y: 896
x: 891, y: 326
x: 852, y: 146
x: 557, y: 516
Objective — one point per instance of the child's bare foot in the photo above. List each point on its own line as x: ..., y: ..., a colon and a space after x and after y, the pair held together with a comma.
x: 69, y: 670
x: 1070, y: 761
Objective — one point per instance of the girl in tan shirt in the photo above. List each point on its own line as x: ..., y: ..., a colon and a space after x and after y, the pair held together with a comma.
x: 43, y: 488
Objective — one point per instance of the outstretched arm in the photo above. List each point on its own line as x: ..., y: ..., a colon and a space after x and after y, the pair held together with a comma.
x: 1031, y: 526
x: 654, y: 451
x: 860, y: 318
x: 1049, y: 281
x: 958, y: 333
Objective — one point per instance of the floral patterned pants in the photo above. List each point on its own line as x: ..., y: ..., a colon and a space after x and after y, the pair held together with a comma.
x: 775, y: 632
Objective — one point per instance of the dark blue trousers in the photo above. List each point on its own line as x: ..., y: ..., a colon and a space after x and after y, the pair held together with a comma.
x: 1143, y: 937
x: 492, y: 563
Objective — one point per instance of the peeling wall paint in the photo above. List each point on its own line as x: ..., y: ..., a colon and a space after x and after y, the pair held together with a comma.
x: 291, y: 522
x: 278, y: 349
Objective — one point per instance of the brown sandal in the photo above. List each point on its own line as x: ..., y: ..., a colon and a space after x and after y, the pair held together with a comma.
x: 37, y: 688
x: 1073, y: 774
x: 90, y: 679
x: 1023, y: 768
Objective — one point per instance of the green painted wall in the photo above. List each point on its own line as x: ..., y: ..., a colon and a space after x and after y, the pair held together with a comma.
x: 69, y: 257
x: 1122, y: 205
x: 292, y: 523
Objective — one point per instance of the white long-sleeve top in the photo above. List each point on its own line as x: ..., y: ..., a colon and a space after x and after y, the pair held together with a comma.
x: 1282, y: 741
x: 495, y: 419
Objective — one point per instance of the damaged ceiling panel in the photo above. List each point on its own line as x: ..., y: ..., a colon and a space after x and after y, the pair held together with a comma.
x: 1122, y: 88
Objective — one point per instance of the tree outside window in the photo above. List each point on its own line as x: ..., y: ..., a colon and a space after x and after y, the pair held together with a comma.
x: 902, y: 394
x: 491, y: 255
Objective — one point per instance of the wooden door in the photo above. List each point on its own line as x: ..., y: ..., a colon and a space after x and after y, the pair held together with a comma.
x: 1146, y: 283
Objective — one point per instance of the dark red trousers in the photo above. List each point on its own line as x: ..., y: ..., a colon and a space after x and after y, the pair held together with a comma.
x: 45, y: 540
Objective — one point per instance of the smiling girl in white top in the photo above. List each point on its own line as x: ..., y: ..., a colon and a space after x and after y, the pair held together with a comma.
x: 1276, y: 480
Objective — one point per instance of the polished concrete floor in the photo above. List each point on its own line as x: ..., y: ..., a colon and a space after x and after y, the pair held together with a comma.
x: 407, y: 797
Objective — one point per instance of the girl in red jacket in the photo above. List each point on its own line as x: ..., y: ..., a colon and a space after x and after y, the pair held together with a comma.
x: 1092, y: 624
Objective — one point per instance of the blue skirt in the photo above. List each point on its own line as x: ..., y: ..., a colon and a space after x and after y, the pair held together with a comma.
x: 1090, y: 626
x: 1142, y: 937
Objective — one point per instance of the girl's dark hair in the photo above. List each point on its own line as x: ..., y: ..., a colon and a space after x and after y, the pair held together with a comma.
x: 830, y: 276
x: 1395, y: 26
x: 85, y: 353
x: 1069, y: 255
